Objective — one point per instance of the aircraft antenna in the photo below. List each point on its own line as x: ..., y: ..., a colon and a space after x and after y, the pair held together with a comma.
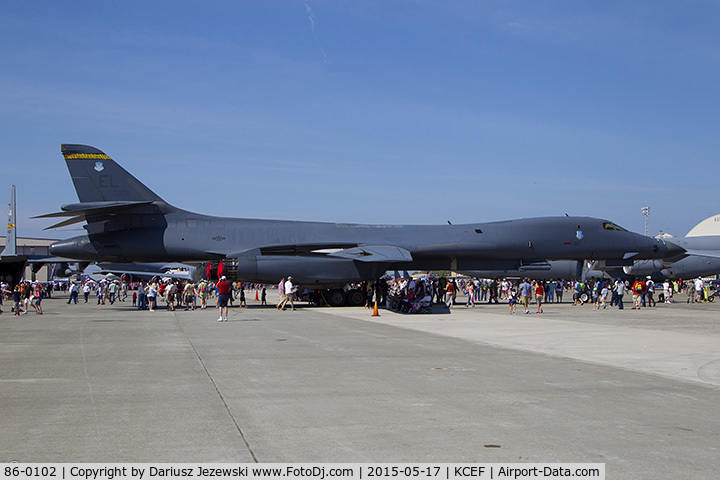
x: 646, y: 212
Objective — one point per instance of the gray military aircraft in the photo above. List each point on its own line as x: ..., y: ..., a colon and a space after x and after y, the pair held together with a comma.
x: 12, y: 265
x: 127, y: 222
x: 146, y: 271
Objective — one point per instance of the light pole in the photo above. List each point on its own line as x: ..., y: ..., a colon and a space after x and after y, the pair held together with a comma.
x: 646, y: 212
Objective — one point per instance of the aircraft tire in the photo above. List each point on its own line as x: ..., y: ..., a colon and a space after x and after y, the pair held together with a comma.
x: 584, y: 297
x: 336, y: 298
x: 355, y: 298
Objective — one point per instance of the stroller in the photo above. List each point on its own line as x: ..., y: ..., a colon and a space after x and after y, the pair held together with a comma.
x: 423, y: 305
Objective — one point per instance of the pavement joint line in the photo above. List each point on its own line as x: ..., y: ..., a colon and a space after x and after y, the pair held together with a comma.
x: 217, y: 389
x: 88, y: 383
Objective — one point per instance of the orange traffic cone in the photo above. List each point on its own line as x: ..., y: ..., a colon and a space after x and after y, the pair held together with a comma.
x: 375, y: 310
x: 256, y: 296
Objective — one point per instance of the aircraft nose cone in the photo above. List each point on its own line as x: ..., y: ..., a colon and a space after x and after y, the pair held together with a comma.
x: 673, y: 250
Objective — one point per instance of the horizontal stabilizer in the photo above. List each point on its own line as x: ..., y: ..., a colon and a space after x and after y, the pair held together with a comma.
x: 80, y: 211
x: 93, y: 208
x: 374, y: 253
x: 12, y: 258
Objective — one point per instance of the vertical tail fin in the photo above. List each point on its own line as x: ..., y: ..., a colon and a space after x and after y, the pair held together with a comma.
x: 98, y: 178
x: 11, y: 239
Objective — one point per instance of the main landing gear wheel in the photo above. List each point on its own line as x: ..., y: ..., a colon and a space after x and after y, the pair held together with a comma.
x: 336, y: 298
x: 355, y: 298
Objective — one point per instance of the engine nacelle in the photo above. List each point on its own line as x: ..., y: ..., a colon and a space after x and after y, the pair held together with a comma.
x: 645, y: 267
x: 308, y: 271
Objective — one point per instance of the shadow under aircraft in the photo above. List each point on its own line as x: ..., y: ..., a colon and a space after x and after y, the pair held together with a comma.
x: 128, y: 222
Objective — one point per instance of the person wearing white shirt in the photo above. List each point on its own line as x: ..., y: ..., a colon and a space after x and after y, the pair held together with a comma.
x: 620, y: 291
x: 699, y: 289
x: 289, y: 293
x: 667, y: 290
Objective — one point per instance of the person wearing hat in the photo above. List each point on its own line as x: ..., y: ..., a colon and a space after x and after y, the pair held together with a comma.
x: 650, y: 290
x: 223, y: 288
x: 289, y: 293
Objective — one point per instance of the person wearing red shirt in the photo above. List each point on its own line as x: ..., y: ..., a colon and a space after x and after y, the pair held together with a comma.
x: 539, y: 295
x: 223, y: 288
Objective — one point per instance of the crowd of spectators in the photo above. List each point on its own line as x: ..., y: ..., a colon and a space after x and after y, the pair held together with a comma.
x: 411, y: 295
x: 407, y: 294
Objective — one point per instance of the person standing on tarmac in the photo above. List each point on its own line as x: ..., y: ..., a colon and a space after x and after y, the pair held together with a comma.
x: 650, y: 287
x: 525, y: 292
x: 449, y: 294
x: 73, y: 293
x: 699, y: 289
x: 620, y: 291
x: 281, y: 293
x: 668, y: 291
x: 17, y: 300
x: 289, y: 293
x: 539, y: 295
x: 86, y: 291
x: 637, y: 289
x: 223, y: 288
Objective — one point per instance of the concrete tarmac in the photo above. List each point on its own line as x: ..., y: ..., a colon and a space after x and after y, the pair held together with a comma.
x: 636, y: 390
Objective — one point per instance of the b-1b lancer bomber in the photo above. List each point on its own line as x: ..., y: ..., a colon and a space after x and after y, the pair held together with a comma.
x: 127, y: 222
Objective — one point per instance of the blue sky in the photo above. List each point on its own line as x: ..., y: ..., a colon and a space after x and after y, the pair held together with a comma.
x: 410, y: 112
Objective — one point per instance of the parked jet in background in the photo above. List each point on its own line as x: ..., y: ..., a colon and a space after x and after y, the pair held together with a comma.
x: 146, y: 271
x: 127, y: 222
x: 12, y: 265
x: 702, y: 258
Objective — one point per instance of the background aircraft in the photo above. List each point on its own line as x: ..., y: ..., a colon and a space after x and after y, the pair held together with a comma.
x: 127, y: 222
x: 12, y: 265
x: 129, y: 272
x: 702, y: 258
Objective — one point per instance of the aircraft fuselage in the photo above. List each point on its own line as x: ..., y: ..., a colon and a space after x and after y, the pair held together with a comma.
x: 128, y: 222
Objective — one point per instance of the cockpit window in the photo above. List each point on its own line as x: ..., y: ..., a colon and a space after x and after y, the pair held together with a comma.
x: 612, y: 226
